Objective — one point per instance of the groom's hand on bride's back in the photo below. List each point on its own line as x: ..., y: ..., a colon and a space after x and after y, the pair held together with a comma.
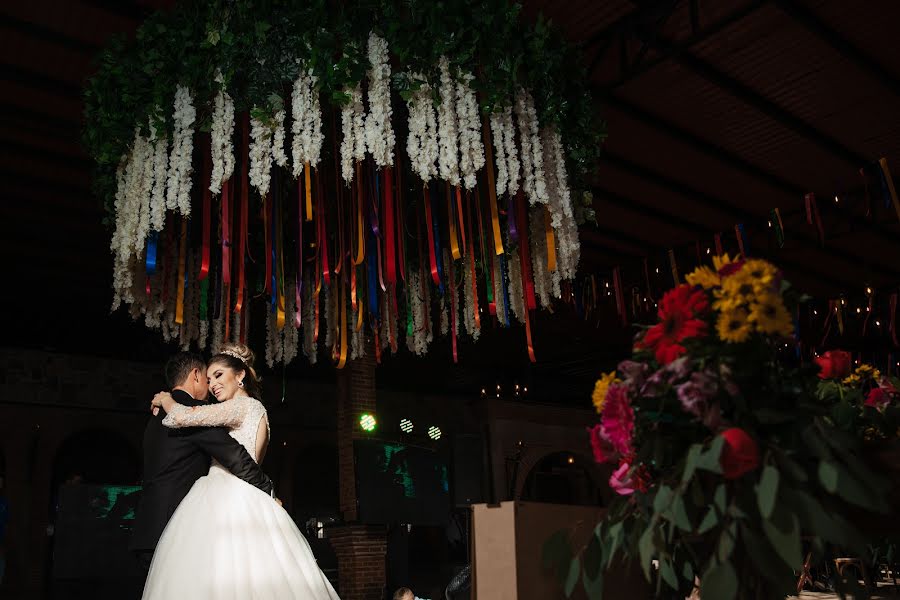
x: 278, y: 500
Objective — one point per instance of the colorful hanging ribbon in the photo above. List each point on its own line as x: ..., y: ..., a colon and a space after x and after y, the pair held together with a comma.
x: 492, y: 189
x: 455, y: 254
x: 307, y: 176
x: 152, y: 248
x: 342, y: 360
x: 674, y: 266
x: 226, y: 234
x: 890, y: 184
x: 620, y: 298
x: 551, y: 241
x: 813, y: 216
x: 739, y: 234
x: 429, y: 226
x: 453, y: 310
x: 778, y: 225
x: 525, y: 254
x: 360, y: 228
x: 389, y: 232
x: 180, y: 282
x: 204, y: 252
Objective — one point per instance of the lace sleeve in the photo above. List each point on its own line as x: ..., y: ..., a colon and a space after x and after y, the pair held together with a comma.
x: 217, y: 414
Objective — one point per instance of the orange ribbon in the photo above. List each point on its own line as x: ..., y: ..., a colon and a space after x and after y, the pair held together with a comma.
x: 360, y: 229
x: 492, y: 189
x: 454, y: 242
x: 343, y: 326
x: 430, y: 233
x: 551, y: 242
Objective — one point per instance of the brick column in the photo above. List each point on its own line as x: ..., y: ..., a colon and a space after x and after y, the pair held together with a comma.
x: 360, y: 549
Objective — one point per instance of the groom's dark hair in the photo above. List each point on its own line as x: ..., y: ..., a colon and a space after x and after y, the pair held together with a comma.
x: 180, y: 365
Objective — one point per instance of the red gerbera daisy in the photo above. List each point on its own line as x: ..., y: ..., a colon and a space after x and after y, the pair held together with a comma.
x: 678, y: 312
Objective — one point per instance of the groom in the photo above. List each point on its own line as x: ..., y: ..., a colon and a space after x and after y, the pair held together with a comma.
x: 175, y: 458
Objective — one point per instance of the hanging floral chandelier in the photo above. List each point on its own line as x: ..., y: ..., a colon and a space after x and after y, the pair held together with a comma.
x: 307, y: 214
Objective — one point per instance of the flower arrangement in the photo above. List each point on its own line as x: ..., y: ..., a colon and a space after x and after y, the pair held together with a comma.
x: 864, y: 402
x: 724, y: 457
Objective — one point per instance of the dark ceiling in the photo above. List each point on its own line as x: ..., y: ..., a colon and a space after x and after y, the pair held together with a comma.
x: 718, y: 111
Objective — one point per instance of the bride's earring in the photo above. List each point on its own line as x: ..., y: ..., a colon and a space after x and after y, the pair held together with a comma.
x: 240, y: 383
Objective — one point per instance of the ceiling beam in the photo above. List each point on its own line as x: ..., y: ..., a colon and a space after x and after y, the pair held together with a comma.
x: 36, y: 81
x: 818, y: 27
x: 752, y: 98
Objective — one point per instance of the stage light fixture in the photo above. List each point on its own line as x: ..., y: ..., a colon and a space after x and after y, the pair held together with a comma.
x: 367, y: 422
x: 434, y: 432
x: 406, y: 426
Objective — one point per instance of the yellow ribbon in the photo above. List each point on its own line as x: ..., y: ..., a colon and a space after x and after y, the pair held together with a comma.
x: 360, y: 231
x: 551, y: 242
x: 890, y: 184
x: 492, y: 190
x: 308, y: 192
x: 359, y: 316
x: 182, y: 251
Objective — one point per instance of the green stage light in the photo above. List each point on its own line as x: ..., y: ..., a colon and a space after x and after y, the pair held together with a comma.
x: 367, y: 422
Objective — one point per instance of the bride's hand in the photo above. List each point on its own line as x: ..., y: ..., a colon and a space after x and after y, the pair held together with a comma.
x: 162, y: 400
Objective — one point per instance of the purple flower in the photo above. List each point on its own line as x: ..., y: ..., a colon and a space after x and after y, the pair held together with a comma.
x: 634, y: 374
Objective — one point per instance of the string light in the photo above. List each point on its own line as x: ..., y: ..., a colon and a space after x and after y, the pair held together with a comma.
x: 770, y: 223
x: 836, y: 200
x: 707, y: 250
x: 571, y: 460
x: 877, y: 323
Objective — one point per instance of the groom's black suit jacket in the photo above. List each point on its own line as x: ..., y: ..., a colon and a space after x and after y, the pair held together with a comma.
x: 173, y: 460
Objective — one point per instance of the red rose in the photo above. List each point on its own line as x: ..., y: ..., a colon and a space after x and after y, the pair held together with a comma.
x: 835, y: 364
x: 740, y: 454
x: 877, y: 398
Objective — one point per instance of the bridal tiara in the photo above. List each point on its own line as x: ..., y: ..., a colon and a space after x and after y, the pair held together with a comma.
x: 234, y: 354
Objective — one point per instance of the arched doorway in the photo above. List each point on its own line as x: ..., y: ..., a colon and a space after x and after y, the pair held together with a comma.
x: 562, y: 478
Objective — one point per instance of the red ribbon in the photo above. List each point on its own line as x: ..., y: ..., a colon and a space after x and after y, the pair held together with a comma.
x: 451, y: 287
x: 429, y: 226
x: 718, y: 240
x: 812, y: 214
x: 204, y: 253
x: 472, y: 262
x: 267, y: 228
x: 226, y: 235
x: 245, y: 201
x: 391, y: 266
x: 401, y: 225
x: 524, y: 254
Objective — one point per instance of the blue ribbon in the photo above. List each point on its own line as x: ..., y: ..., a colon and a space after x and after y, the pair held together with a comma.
x: 152, y: 244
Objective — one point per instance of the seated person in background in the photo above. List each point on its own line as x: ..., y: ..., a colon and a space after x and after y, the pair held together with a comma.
x: 405, y: 593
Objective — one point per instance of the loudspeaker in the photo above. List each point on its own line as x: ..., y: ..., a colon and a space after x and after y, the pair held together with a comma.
x: 468, y: 469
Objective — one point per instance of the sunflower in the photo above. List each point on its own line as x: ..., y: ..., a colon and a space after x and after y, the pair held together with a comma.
x: 770, y: 316
x: 762, y: 271
x: 703, y: 277
x: 734, y: 325
x: 851, y: 379
x: 867, y: 371
x: 600, y: 389
x: 737, y: 290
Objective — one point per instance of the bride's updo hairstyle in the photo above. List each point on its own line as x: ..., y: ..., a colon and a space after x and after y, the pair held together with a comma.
x: 239, y: 357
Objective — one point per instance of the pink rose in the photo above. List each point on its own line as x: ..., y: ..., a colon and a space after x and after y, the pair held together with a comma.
x: 620, y: 481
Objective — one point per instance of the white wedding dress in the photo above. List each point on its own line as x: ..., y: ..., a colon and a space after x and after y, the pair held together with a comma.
x: 228, y: 539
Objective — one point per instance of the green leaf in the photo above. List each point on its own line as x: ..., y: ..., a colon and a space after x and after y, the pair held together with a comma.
x: 679, y: 514
x: 690, y: 462
x: 662, y: 499
x: 646, y: 549
x: 709, y: 521
x: 785, y: 537
x: 668, y: 573
x: 727, y: 541
x: 719, y: 582
x: 709, y: 460
x: 593, y: 556
x: 767, y: 491
x: 720, y: 498
x: 828, y: 476
x: 572, y: 577
x: 687, y: 571
x: 556, y: 549
x: 593, y: 586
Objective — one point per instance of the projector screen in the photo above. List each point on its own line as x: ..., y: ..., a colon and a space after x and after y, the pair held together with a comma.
x: 401, y: 483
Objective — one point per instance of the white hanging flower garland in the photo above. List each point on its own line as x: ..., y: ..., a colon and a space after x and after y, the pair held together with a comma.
x: 448, y: 133
x: 532, y: 149
x: 379, y: 132
x: 306, y: 126
x: 260, y: 153
x: 471, y: 147
x: 513, y: 165
x: 560, y: 204
x: 422, y: 144
x: 353, y: 144
x: 160, y: 175
x: 516, y: 289
x: 222, y: 148
x: 497, y: 133
x: 178, y: 190
x: 278, y: 137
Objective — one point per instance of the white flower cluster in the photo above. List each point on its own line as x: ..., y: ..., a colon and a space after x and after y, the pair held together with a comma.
x: 560, y: 204
x: 532, y: 149
x: 306, y: 126
x: 260, y: 152
x: 357, y: 339
x: 218, y: 334
x: 380, y: 138
x: 546, y: 283
x: 388, y: 325
x: 498, y: 293
x: 445, y: 315
x: 448, y: 134
x: 471, y: 147
x: 353, y: 126
x: 281, y: 345
x: 278, y: 136
x: 516, y: 287
x: 331, y: 315
x: 419, y: 303
x: 507, y: 155
x: 309, y: 318
x: 222, y: 149
x: 178, y: 190
x: 160, y: 171
x: 132, y: 206
x: 421, y: 143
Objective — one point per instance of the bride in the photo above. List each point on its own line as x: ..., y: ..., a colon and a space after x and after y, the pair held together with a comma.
x: 228, y: 539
